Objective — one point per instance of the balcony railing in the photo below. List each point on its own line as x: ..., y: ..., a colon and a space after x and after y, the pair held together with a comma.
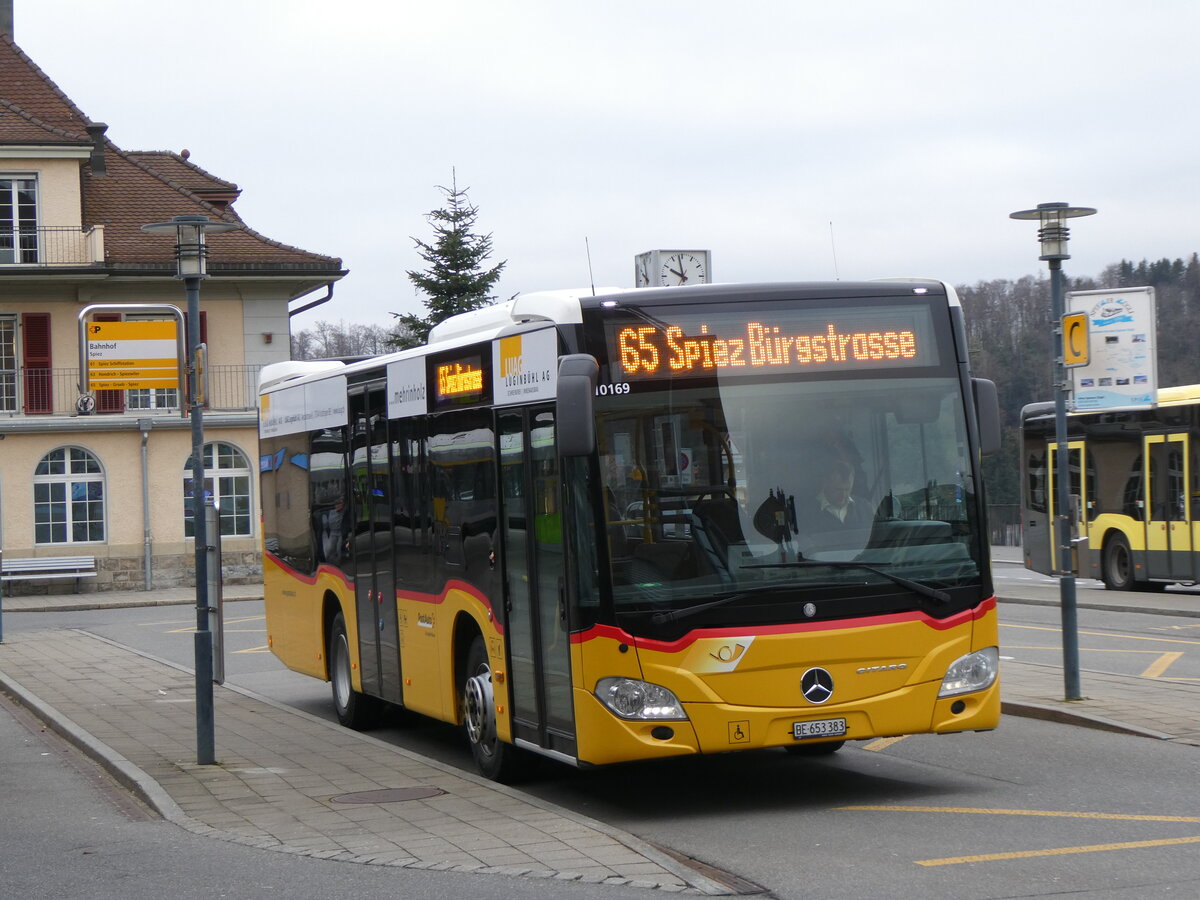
x: 56, y: 392
x: 51, y: 245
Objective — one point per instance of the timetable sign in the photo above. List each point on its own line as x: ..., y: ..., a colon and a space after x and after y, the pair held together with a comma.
x: 125, y: 356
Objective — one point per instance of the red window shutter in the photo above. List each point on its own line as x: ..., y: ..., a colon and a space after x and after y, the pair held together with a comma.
x: 109, y: 401
x: 35, y: 355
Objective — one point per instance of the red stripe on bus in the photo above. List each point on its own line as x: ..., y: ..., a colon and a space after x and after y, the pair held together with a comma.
x: 619, y: 634
x: 414, y: 596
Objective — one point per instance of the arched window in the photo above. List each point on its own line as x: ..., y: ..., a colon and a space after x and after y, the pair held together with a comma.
x: 229, y: 469
x: 68, y: 498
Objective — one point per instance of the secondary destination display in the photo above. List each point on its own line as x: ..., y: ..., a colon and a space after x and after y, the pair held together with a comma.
x: 683, y: 344
x: 460, y: 380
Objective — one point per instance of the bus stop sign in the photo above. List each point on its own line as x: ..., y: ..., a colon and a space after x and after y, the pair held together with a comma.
x: 1075, y: 339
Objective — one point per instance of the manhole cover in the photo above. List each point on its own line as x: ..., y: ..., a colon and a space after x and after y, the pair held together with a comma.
x: 389, y: 795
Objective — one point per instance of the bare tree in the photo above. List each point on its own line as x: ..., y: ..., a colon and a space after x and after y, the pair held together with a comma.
x: 329, y: 340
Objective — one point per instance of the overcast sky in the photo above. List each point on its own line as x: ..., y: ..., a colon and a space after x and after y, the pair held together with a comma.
x: 795, y: 140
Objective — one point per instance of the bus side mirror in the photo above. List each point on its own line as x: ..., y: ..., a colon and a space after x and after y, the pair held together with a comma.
x: 574, y: 412
x: 987, y: 415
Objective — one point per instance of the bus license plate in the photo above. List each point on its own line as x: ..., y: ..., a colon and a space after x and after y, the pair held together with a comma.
x: 819, y: 728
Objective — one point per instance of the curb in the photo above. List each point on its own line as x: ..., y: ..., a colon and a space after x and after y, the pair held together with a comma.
x: 123, y: 604
x: 126, y: 773
x: 1064, y: 717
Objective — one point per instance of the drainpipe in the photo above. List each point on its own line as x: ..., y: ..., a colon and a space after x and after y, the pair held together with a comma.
x: 307, y: 306
x: 147, y: 543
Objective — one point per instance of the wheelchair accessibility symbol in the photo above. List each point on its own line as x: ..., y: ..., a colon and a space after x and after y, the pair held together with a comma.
x: 739, y: 732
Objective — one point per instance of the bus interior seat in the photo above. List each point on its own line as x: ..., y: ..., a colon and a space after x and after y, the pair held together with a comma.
x: 673, y: 559
x: 717, y: 526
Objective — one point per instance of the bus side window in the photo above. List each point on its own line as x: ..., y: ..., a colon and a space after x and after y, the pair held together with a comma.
x: 1194, y: 488
x: 1036, y: 484
x: 412, y: 547
x: 1133, y: 505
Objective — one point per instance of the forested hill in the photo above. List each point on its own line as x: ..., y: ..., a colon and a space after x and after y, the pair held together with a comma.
x: 1011, y: 341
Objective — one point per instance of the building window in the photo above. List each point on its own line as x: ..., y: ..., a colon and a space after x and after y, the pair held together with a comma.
x: 68, y: 498
x: 18, y: 220
x: 153, y: 398
x: 8, y: 364
x: 229, y: 469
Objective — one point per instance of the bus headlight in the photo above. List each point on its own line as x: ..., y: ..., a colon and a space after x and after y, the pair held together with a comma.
x: 633, y: 699
x: 973, y: 672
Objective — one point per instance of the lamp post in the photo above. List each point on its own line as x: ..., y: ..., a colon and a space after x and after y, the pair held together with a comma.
x: 191, y: 266
x: 1053, y: 236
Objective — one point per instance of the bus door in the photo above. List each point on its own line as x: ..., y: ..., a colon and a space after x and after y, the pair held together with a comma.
x: 1168, y: 525
x: 535, y: 582
x: 1076, y: 454
x: 374, y: 582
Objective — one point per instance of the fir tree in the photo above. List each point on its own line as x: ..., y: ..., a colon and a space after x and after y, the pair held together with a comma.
x: 455, y: 280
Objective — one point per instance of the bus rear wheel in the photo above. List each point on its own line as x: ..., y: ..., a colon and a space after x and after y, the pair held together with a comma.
x: 354, y: 709
x: 1117, y: 565
x: 493, y: 757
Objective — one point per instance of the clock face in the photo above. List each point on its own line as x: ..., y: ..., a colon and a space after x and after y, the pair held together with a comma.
x: 682, y: 268
x: 641, y: 271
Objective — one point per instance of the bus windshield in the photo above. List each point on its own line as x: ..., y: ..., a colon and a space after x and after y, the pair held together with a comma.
x: 797, y: 498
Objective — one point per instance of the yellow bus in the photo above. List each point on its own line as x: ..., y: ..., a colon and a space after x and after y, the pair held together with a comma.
x: 594, y: 527
x: 1135, y: 491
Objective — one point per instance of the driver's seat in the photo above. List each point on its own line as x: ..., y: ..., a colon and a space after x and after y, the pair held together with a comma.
x: 716, y: 525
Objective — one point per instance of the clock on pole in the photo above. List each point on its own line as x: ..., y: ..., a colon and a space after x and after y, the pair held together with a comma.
x: 672, y: 268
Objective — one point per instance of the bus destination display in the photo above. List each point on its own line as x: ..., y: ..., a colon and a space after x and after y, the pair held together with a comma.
x: 682, y: 345
x: 459, y: 381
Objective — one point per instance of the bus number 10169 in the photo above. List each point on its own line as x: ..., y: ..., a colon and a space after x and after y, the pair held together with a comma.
x: 607, y: 390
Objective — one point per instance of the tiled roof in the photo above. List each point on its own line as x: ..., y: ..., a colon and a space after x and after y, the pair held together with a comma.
x: 180, y: 169
x: 134, y: 194
x: 30, y: 97
x: 136, y: 188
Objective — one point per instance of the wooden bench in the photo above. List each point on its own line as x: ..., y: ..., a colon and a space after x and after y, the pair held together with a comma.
x: 38, y: 568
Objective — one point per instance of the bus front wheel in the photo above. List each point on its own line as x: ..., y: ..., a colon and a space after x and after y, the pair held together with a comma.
x: 493, y: 757
x: 1117, y: 569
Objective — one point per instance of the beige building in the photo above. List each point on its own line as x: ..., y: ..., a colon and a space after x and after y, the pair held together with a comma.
x: 105, y: 475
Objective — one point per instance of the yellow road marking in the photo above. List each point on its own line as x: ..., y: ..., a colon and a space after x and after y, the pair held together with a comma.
x: 1127, y: 637
x: 1089, y: 649
x: 263, y: 649
x: 1050, y: 813
x: 1161, y: 664
x: 191, y: 629
x: 1057, y: 851
x: 883, y: 743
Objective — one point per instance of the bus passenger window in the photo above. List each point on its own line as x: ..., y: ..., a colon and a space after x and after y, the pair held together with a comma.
x: 1132, y: 504
x: 1036, y: 484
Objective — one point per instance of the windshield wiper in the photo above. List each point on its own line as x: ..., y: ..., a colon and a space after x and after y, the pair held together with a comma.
x: 923, y: 589
x: 674, y: 615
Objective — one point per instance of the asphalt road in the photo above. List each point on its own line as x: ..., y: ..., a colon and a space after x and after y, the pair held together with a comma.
x: 1033, y: 809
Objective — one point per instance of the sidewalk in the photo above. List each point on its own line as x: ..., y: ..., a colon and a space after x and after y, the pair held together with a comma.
x: 284, y: 775
x: 289, y: 781
x: 1150, y: 707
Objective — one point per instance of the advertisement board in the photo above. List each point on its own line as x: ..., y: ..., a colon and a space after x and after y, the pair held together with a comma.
x: 1122, y: 369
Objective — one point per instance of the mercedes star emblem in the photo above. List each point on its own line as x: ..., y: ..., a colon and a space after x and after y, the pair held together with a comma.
x: 817, y: 685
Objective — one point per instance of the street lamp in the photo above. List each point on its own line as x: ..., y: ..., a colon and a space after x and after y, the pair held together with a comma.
x: 1053, y: 236
x: 191, y: 266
